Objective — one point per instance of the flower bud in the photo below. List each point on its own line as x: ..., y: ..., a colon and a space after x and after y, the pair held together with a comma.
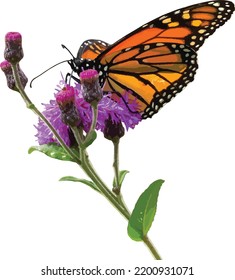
x: 65, y: 100
x: 6, y: 68
x: 113, y: 130
x: 13, y: 49
x: 90, y: 86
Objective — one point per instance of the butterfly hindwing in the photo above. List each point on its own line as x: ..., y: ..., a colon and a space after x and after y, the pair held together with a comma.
x: 90, y: 49
x: 154, y: 73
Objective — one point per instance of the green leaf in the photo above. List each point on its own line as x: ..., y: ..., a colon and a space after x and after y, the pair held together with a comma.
x: 53, y: 150
x: 121, y: 177
x: 90, y: 138
x: 84, y: 181
x: 144, y: 211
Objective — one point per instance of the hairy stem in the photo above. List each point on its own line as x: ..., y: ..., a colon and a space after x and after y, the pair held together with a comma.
x: 33, y: 108
x: 151, y: 247
x: 116, y: 186
x: 84, y: 162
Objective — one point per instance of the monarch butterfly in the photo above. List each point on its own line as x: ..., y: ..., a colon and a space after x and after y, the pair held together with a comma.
x: 157, y: 60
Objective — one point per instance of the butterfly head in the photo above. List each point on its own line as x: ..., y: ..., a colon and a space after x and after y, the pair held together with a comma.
x: 80, y: 64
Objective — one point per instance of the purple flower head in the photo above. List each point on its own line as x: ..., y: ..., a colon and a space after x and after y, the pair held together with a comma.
x: 6, y: 68
x: 13, y: 37
x: 90, y: 86
x: 53, y: 114
x: 113, y: 130
x: 65, y: 96
x: 13, y: 47
x: 116, y: 111
x: 88, y: 75
x: 65, y: 99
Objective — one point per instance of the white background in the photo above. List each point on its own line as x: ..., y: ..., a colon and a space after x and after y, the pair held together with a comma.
x: 189, y: 144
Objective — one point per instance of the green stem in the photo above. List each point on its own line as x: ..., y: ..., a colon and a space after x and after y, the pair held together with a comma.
x: 151, y: 247
x: 117, y: 190
x: 78, y: 134
x: 116, y: 187
x: 88, y: 168
x: 122, y: 202
x: 90, y: 171
x: 33, y: 108
x: 94, y: 106
x: 84, y: 161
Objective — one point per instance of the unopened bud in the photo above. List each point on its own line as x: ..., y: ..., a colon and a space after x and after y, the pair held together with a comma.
x: 13, y: 49
x: 90, y: 86
x: 65, y: 99
x: 113, y: 130
x: 6, y: 68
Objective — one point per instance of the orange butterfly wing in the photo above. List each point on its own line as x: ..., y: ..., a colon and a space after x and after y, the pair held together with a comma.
x: 90, y: 49
x: 190, y: 25
x: 157, y: 60
x: 154, y: 73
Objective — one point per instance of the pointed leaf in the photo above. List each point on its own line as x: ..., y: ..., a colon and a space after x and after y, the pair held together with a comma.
x: 90, y: 138
x: 53, y: 150
x: 84, y: 181
x: 144, y: 211
x: 121, y: 177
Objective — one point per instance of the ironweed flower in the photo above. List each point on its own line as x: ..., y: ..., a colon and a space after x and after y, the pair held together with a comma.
x: 108, y: 109
x: 65, y: 99
x: 53, y: 114
x: 13, y: 47
x: 90, y: 86
x: 113, y: 130
x: 6, y: 68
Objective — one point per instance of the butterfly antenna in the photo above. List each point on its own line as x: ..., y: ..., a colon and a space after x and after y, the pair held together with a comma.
x: 46, y: 71
x: 64, y: 47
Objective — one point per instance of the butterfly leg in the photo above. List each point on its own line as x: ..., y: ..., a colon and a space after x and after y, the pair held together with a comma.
x: 68, y: 78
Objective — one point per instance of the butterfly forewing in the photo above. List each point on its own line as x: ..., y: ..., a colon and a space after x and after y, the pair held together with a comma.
x: 190, y: 25
x: 151, y: 72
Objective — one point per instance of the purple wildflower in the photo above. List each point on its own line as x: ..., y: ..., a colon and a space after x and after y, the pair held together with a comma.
x: 90, y: 87
x: 13, y: 49
x: 65, y: 98
x: 52, y: 113
x: 6, y: 68
x: 113, y: 130
x: 117, y: 111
